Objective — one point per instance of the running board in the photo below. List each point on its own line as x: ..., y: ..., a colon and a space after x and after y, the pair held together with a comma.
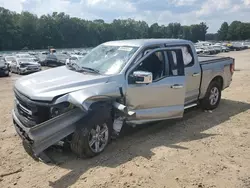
x: 190, y: 106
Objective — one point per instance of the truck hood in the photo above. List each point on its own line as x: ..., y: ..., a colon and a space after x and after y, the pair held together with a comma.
x: 46, y: 85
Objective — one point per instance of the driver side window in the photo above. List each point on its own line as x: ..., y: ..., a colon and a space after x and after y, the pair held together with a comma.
x: 155, y: 63
x: 160, y: 64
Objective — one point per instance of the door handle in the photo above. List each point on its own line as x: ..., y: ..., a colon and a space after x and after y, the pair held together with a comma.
x: 177, y: 86
x: 196, y: 74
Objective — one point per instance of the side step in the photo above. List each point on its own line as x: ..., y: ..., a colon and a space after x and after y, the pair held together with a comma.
x: 190, y: 106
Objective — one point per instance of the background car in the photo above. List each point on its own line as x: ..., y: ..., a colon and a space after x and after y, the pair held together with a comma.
x: 54, y: 60
x: 41, y: 58
x: 9, y: 59
x: 4, y: 68
x: 24, y: 66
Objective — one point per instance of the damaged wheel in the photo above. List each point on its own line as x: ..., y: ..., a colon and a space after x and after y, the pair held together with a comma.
x: 93, y: 138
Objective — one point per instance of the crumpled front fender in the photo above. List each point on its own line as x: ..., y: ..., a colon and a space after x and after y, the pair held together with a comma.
x: 84, y: 98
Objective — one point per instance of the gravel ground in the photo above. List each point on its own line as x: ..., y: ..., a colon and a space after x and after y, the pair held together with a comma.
x: 205, y: 149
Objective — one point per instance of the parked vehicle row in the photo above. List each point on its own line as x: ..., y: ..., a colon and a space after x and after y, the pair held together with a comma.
x: 205, y: 47
x: 25, y: 63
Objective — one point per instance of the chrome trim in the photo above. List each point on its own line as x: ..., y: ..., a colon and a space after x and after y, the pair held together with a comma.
x: 190, y: 106
x: 23, y: 108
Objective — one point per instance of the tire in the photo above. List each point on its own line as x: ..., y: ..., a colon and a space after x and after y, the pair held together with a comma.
x: 19, y: 71
x: 8, y: 74
x: 80, y: 143
x: 209, y: 102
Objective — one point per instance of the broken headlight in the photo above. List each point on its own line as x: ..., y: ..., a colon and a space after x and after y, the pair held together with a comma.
x: 60, y: 109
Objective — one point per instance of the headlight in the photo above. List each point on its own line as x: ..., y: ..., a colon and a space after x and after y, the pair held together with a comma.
x: 60, y: 109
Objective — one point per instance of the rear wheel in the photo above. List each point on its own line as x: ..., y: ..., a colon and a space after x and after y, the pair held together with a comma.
x: 212, y: 97
x: 93, y: 137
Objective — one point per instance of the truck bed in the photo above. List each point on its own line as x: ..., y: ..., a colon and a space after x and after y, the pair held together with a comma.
x: 212, y: 66
x: 204, y: 59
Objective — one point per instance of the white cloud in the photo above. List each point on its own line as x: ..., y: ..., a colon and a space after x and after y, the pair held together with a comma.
x: 210, y: 6
x: 14, y: 5
x: 183, y: 2
x: 246, y: 2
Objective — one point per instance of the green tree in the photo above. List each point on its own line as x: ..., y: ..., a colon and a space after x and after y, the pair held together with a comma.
x: 223, y: 31
x: 234, y: 32
x: 18, y: 31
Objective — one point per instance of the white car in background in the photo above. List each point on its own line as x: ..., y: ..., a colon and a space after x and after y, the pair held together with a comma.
x: 217, y: 48
x: 9, y: 59
x: 24, y: 66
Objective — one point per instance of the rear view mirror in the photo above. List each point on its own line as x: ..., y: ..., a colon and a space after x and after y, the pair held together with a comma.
x: 143, y: 77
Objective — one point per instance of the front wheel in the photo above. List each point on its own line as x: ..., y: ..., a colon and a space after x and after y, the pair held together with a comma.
x: 91, y: 139
x: 7, y: 73
x: 212, y: 97
x: 19, y: 71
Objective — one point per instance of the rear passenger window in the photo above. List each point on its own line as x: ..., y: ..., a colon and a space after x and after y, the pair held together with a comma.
x: 187, y: 54
x: 175, y: 61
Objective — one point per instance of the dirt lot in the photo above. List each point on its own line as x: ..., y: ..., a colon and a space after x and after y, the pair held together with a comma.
x: 205, y: 149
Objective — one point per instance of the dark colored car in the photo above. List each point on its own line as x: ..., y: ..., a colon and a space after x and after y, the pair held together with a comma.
x: 235, y: 48
x: 4, y: 68
x: 41, y: 58
x: 54, y: 60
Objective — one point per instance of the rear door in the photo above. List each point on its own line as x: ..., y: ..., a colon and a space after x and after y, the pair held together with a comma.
x: 192, y: 73
x: 161, y: 99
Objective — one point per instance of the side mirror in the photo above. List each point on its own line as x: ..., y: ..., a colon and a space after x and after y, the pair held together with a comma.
x: 143, y: 77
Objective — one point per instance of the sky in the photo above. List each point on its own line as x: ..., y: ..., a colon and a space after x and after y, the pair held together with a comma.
x: 186, y: 12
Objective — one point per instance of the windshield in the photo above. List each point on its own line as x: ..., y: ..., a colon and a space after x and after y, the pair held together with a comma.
x: 24, y: 56
x: 10, y: 58
x: 25, y: 60
x: 61, y: 56
x: 107, y: 59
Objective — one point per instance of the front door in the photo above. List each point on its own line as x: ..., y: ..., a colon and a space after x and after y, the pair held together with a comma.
x: 164, y: 97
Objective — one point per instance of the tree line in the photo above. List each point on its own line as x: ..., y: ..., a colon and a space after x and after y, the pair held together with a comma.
x: 235, y: 31
x: 26, y: 30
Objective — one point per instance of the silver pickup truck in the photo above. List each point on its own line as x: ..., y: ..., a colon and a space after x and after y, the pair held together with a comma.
x: 118, y: 83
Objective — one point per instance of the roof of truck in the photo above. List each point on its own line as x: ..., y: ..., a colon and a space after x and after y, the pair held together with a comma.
x: 145, y: 42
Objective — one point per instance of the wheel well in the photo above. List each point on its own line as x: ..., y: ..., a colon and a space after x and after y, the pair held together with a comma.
x: 104, y: 106
x: 219, y: 80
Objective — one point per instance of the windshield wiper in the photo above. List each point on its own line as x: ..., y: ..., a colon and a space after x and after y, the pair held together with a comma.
x: 75, y: 66
x: 91, y: 69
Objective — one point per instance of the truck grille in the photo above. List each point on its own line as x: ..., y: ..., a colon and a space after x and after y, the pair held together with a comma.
x: 29, y: 112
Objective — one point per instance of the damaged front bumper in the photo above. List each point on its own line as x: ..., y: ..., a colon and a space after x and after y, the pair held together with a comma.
x: 48, y: 133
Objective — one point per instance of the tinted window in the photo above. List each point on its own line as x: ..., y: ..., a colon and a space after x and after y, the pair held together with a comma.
x: 155, y: 64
